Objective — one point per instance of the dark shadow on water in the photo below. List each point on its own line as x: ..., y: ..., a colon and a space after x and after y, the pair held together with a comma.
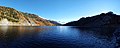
x: 109, y: 33
x: 98, y: 31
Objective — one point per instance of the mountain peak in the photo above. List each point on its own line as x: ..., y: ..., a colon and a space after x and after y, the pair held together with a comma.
x: 110, y: 12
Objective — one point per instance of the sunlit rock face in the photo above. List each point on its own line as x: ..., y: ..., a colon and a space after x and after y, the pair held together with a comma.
x: 4, y: 22
x: 12, y: 17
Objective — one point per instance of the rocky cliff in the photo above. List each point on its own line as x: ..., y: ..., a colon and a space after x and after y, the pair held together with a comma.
x: 12, y: 17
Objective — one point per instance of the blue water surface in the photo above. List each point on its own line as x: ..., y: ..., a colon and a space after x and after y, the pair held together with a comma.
x: 55, y: 37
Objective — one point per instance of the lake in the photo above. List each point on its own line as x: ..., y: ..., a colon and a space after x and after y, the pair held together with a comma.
x: 56, y: 37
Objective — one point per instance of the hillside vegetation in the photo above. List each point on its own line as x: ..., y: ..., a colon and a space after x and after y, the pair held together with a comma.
x: 18, y: 18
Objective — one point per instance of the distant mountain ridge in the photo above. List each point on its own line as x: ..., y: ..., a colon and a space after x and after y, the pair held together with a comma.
x: 104, y: 19
x: 12, y: 17
x: 54, y: 22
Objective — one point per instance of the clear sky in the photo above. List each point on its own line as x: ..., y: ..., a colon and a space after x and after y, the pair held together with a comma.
x: 64, y: 10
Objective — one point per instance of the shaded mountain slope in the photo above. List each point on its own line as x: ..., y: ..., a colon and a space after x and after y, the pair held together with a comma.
x: 54, y: 22
x: 104, y: 19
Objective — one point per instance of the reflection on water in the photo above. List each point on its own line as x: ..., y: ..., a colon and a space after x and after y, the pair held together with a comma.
x: 3, y: 28
x: 56, y: 37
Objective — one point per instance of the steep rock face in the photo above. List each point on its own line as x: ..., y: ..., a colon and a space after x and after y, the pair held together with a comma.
x: 10, y: 16
x: 104, y: 19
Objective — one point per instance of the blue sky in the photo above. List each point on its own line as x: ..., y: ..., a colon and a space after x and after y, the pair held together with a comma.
x: 64, y: 10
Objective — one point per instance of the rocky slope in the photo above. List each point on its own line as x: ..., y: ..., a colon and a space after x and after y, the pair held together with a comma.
x: 104, y: 19
x: 12, y: 17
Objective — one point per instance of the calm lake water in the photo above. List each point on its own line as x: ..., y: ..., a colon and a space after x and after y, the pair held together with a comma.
x: 56, y: 37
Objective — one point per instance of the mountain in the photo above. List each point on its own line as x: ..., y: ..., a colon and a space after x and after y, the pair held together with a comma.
x: 54, y: 22
x: 104, y: 19
x: 12, y: 17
